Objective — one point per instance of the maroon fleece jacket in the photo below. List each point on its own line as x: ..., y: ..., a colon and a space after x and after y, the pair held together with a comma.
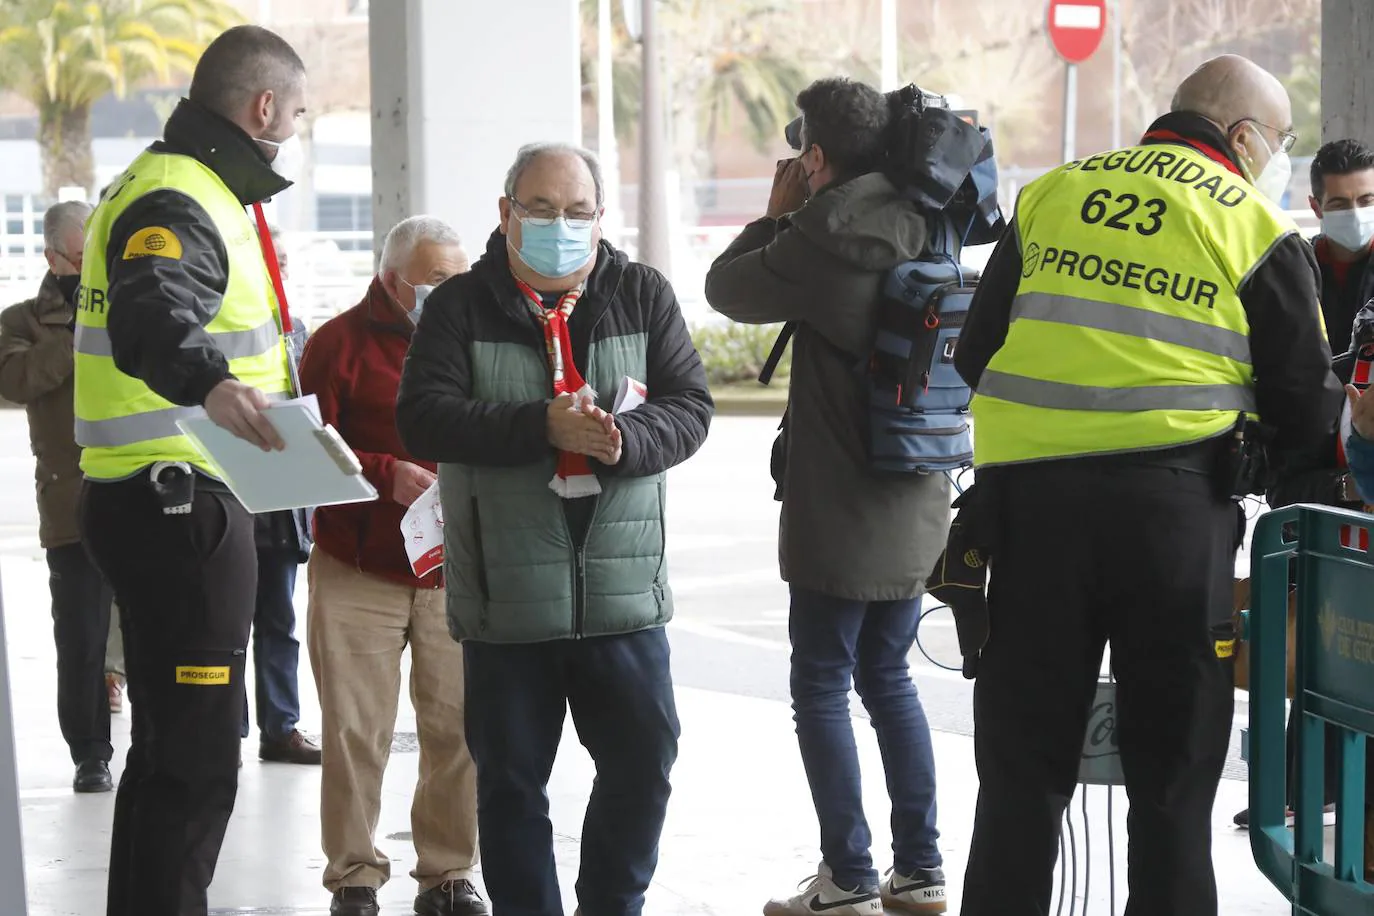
x: 352, y: 364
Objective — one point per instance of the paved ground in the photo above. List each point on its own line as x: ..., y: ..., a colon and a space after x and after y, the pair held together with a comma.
x: 740, y: 827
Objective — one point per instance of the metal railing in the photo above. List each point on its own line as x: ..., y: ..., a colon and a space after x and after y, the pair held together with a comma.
x: 1334, y: 650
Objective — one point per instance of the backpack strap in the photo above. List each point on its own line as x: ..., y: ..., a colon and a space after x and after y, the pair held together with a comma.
x: 770, y: 365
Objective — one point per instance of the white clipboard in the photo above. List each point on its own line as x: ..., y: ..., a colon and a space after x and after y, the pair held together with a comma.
x: 317, y: 468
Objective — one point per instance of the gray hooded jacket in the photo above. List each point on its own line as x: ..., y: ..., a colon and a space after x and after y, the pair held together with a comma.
x: 846, y: 531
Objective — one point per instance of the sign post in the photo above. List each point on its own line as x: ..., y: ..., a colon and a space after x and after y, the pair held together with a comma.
x: 1075, y: 28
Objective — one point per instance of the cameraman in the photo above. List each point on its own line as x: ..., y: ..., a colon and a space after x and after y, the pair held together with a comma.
x: 855, y: 547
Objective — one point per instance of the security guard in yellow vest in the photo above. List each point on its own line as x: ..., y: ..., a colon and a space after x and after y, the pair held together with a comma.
x: 1147, y: 300
x: 176, y: 312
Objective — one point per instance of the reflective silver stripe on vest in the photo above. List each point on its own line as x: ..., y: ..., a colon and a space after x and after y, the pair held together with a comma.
x: 1136, y: 322
x: 1033, y: 392
x: 94, y: 341
x: 140, y: 427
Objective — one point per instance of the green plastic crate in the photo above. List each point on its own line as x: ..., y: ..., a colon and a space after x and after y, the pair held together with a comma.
x: 1335, y: 685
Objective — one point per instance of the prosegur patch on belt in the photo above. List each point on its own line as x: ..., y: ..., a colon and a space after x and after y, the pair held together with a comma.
x: 205, y: 677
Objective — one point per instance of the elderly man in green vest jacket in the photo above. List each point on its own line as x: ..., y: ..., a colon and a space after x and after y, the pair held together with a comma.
x: 553, y: 501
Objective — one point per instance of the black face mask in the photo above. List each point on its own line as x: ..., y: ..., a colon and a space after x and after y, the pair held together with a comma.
x: 68, y: 285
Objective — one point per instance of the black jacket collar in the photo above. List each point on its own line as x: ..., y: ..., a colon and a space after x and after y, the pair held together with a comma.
x: 225, y: 148
x: 1188, y: 128
x: 494, y: 268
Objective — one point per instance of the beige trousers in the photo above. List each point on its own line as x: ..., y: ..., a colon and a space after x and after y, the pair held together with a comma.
x: 358, y: 625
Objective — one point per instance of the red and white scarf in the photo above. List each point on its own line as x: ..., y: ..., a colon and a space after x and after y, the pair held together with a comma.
x: 573, y: 478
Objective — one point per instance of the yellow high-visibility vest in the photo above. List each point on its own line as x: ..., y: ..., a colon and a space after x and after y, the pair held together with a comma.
x: 1127, y: 332
x: 121, y: 424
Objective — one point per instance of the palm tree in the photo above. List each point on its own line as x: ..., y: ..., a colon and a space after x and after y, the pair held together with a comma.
x: 63, y: 56
x: 726, y: 56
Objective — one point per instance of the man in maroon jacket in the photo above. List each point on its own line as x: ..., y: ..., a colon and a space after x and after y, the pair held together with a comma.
x: 367, y: 605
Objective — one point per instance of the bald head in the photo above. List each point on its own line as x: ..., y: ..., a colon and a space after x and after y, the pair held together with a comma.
x: 1231, y: 88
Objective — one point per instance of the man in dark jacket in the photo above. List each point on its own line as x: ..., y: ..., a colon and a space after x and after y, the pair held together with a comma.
x: 855, y: 547
x: 1107, y: 395
x: 1343, y: 199
x: 36, y: 371
x: 554, y: 530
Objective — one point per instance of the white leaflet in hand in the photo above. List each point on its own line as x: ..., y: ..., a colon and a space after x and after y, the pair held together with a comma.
x: 423, y: 530
x: 629, y: 395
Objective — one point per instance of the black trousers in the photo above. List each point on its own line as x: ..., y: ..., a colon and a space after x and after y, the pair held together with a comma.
x: 620, y: 692
x: 185, y: 586
x: 1094, y: 553
x: 81, y: 627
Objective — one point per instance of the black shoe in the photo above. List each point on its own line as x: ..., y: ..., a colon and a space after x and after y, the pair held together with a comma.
x: 93, y: 776
x: 452, y: 898
x: 354, y: 901
x: 293, y: 747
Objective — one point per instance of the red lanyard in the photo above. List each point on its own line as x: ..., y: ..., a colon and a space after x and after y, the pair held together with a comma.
x: 269, y: 254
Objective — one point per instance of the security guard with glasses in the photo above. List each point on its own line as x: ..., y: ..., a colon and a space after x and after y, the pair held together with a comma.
x: 177, y: 312
x: 1151, y: 305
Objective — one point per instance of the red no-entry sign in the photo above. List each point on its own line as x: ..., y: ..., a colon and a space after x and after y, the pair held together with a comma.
x: 1076, y: 27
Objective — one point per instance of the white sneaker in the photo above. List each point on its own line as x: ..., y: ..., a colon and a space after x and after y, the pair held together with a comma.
x: 821, y: 895
x: 922, y: 893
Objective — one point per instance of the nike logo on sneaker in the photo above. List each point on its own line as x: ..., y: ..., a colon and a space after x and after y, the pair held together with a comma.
x: 818, y: 907
x: 930, y: 892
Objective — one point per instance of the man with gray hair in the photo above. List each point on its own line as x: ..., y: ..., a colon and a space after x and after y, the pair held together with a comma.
x: 368, y: 602
x: 36, y: 371
x: 553, y: 496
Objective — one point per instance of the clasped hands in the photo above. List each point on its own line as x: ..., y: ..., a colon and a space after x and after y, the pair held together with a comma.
x: 576, y: 424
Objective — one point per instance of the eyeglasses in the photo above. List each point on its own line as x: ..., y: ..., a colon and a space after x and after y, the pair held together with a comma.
x: 1287, y: 138
x: 545, y: 216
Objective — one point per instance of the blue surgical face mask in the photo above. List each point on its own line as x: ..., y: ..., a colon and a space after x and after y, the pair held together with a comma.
x: 556, y: 250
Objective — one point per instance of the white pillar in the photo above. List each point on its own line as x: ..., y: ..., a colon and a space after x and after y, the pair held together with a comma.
x: 457, y: 88
x: 11, y: 840
x: 1347, y: 81
x: 889, y: 49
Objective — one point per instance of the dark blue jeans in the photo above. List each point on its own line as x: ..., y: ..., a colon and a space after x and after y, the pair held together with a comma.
x: 276, y: 651
x: 620, y: 691
x: 835, y: 641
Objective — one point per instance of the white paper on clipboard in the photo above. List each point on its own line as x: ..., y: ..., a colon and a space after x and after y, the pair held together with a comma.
x: 317, y: 468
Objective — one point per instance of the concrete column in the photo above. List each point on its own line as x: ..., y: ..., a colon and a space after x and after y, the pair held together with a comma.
x: 1347, y: 79
x: 11, y: 838
x: 457, y: 88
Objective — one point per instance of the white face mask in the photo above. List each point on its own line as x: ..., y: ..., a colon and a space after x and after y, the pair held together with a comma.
x: 422, y: 292
x: 1353, y: 230
x: 290, y: 158
x: 1273, y: 179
